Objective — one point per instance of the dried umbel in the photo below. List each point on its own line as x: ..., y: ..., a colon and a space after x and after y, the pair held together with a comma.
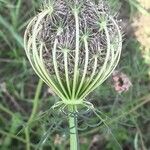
x: 74, y: 46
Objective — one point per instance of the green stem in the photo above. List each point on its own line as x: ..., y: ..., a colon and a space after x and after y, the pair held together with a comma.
x: 33, y: 113
x: 6, y: 110
x: 74, y: 144
x: 13, y: 136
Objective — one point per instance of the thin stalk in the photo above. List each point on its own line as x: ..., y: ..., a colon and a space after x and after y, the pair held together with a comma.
x: 76, y: 53
x: 33, y: 113
x: 85, y: 65
x: 74, y: 144
x: 4, y: 109
x: 13, y: 136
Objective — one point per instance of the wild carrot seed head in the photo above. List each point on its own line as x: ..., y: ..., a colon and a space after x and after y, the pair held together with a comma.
x: 73, y: 45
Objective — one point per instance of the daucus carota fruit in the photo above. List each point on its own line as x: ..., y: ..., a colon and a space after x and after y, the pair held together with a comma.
x: 73, y: 46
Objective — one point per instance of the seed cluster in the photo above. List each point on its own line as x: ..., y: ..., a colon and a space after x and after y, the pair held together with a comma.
x: 78, y: 42
x: 92, y: 20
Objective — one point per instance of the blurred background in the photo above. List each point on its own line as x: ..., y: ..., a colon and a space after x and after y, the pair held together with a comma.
x: 26, y: 120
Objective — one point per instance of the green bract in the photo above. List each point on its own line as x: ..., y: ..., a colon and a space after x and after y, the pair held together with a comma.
x: 73, y: 46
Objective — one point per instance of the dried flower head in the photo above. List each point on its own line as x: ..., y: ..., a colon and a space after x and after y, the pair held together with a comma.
x: 121, y: 82
x: 73, y: 45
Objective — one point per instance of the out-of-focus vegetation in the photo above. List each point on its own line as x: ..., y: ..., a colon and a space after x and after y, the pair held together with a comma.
x: 25, y: 101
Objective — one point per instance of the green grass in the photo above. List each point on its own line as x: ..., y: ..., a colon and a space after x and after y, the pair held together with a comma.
x: 25, y: 102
